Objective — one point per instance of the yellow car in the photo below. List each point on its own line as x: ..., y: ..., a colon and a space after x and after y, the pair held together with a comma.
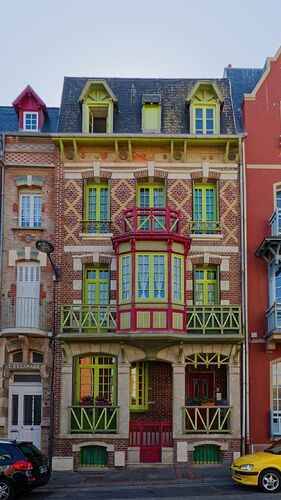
x: 262, y: 469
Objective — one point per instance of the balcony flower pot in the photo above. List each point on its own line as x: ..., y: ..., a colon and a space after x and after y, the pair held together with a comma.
x: 222, y: 403
x: 102, y: 401
x: 192, y: 402
x: 86, y: 401
x: 207, y: 403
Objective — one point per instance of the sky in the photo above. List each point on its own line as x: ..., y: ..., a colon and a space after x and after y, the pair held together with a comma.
x: 44, y: 40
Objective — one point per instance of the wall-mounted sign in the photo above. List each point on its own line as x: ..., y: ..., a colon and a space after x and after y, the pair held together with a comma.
x: 25, y: 366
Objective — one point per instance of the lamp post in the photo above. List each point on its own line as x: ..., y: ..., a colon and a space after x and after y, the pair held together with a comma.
x: 47, y: 247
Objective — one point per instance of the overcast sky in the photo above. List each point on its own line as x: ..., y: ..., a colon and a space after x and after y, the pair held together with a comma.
x: 44, y: 40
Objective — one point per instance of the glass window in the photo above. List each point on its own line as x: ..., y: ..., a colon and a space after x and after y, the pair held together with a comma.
x: 151, y: 118
x: 37, y: 357
x: 151, y: 197
x: 98, y: 116
x: 278, y: 199
x: 151, y: 276
x: 178, y: 287
x: 139, y: 386
x: 30, y: 121
x: 125, y: 278
x: 30, y: 210
x: 206, y: 286
x: 18, y: 357
x: 204, y: 208
x: 96, y: 378
x: 204, y: 120
x: 96, y: 286
x: 97, y: 209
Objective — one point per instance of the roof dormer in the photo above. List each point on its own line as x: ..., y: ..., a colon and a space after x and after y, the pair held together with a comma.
x: 31, y: 110
x: 98, y: 102
x: 205, y: 102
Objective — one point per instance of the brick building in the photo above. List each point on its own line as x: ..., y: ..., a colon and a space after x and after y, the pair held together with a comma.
x: 147, y: 218
x: 256, y: 96
x: 29, y: 159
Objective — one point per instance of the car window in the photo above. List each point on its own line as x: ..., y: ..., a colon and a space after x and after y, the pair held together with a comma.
x: 275, y: 449
x: 29, y: 450
x: 5, y: 453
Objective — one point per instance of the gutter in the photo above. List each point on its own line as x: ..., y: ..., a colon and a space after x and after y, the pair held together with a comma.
x: 2, y: 205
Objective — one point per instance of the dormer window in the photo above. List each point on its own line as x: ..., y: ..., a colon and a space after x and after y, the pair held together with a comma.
x: 151, y: 113
x: 98, y: 105
x: 205, y: 101
x: 30, y: 120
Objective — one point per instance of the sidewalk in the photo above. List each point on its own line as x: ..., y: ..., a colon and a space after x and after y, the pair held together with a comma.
x: 134, y: 475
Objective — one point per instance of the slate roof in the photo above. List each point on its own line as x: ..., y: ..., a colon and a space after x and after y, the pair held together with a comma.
x: 129, y: 92
x: 9, y: 121
x: 242, y: 81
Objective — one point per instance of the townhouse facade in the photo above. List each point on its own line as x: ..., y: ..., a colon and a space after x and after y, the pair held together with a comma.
x: 148, y: 243
x: 256, y: 97
x: 28, y: 165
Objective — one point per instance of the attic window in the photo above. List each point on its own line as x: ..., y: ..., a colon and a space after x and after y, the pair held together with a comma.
x: 98, y: 119
x: 151, y: 113
x: 205, y: 102
x: 30, y: 120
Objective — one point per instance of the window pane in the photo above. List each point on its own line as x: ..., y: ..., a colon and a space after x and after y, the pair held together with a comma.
x: 15, y: 409
x: 159, y: 277
x: 37, y: 211
x: 125, y: 278
x: 143, y: 276
x: 27, y: 410
x: 37, y: 410
x: 177, y: 284
x: 25, y: 211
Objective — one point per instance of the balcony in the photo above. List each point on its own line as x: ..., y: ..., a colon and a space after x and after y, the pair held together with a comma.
x: 216, y: 320
x: 26, y: 313
x: 142, y: 220
x: 93, y: 419
x: 207, y: 419
x: 275, y: 223
x: 96, y: 226
x: 205, y: 227
x: 273, y: 315
x: 87, y: 318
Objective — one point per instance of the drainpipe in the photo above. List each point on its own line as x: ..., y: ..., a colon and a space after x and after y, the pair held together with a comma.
x: 245, y: 342
x: 2, y: 204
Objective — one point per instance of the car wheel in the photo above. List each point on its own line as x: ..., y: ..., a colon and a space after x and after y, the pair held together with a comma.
x: 6, y: 490
x: 269, y: 481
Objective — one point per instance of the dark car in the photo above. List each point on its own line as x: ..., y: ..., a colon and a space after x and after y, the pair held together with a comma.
x: 22, y: 467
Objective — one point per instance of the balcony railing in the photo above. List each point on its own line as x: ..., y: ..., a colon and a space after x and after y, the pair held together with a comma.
x: 96, y: 226
x: 93, y: 419
x: 26, y: 312
x: 87, y: 318
x: 205, y: 227
x: 218, y: 319
x: 151, y: 219
x: 207, y: 419
x: 273, y: 315
x: 275, y: 222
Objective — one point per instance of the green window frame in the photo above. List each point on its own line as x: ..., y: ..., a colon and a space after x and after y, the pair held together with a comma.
x: 178, y: 279
x: 151, y: 196
x: 96, y: 376
x: 151, y: 118
x: 204, y: 207
x: 139, y: 386
x: 206, y: 286
x: 204, y: 119
x: 125, y: 290
x: 96, y: 285
x: 97, y: 209
x: 151, y: 277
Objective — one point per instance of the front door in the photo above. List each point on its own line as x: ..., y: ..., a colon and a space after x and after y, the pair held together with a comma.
x: 25, y: 405
x: 27, y: 300
x: 201, y: 386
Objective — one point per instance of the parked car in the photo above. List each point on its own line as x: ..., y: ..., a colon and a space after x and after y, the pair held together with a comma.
x: 22, y: 467
x: 262, y: 469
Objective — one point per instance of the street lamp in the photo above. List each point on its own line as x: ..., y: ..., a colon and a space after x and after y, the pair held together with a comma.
x: 47, y: 247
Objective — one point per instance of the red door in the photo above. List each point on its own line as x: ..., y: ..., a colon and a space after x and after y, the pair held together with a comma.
x: 151, y: 437
x: 201, y: 385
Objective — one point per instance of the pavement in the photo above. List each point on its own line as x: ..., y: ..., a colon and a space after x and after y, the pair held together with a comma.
x: 143, y: 475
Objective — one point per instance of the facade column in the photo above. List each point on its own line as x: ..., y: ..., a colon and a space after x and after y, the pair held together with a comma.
x: 234, y: 397
x: 66, y: 397
x: 178, y: 397
x: 124, y: 398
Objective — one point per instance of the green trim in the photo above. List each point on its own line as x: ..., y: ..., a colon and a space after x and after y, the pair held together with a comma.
x: 151, y: 117
x: 152, y: 267
x: 97, y: 284
x: 178, y: 287
x: 96, y: 209
x: 206, y: 286
x: 126, y: 258
x: 150, y: 194
x: 139, y: 386
x: 100, y: 371
x: 205, y: 207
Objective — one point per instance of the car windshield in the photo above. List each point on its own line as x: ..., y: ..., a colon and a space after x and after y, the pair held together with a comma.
x: 274, y: 448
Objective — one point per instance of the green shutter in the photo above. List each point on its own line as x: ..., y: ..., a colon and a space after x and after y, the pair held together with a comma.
x: 93, y: 456
x: 207, y: 454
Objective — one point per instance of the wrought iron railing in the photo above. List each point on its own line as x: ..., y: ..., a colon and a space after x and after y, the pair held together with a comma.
x: 206, y: 227
x: 207, y: 419
x: 273, y: 315
x: 151, y: 219
x: 26, y: 312
x: 87, y: 318
x: 218, y: 319
x: 96, y: 226
x: 93, y: 419
x: 275, y: 222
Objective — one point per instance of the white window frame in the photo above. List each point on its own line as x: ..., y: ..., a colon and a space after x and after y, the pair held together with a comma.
x: 31, y: 213
x: 31, y: 113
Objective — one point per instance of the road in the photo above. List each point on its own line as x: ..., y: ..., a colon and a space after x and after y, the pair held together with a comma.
x: 177, y: 490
